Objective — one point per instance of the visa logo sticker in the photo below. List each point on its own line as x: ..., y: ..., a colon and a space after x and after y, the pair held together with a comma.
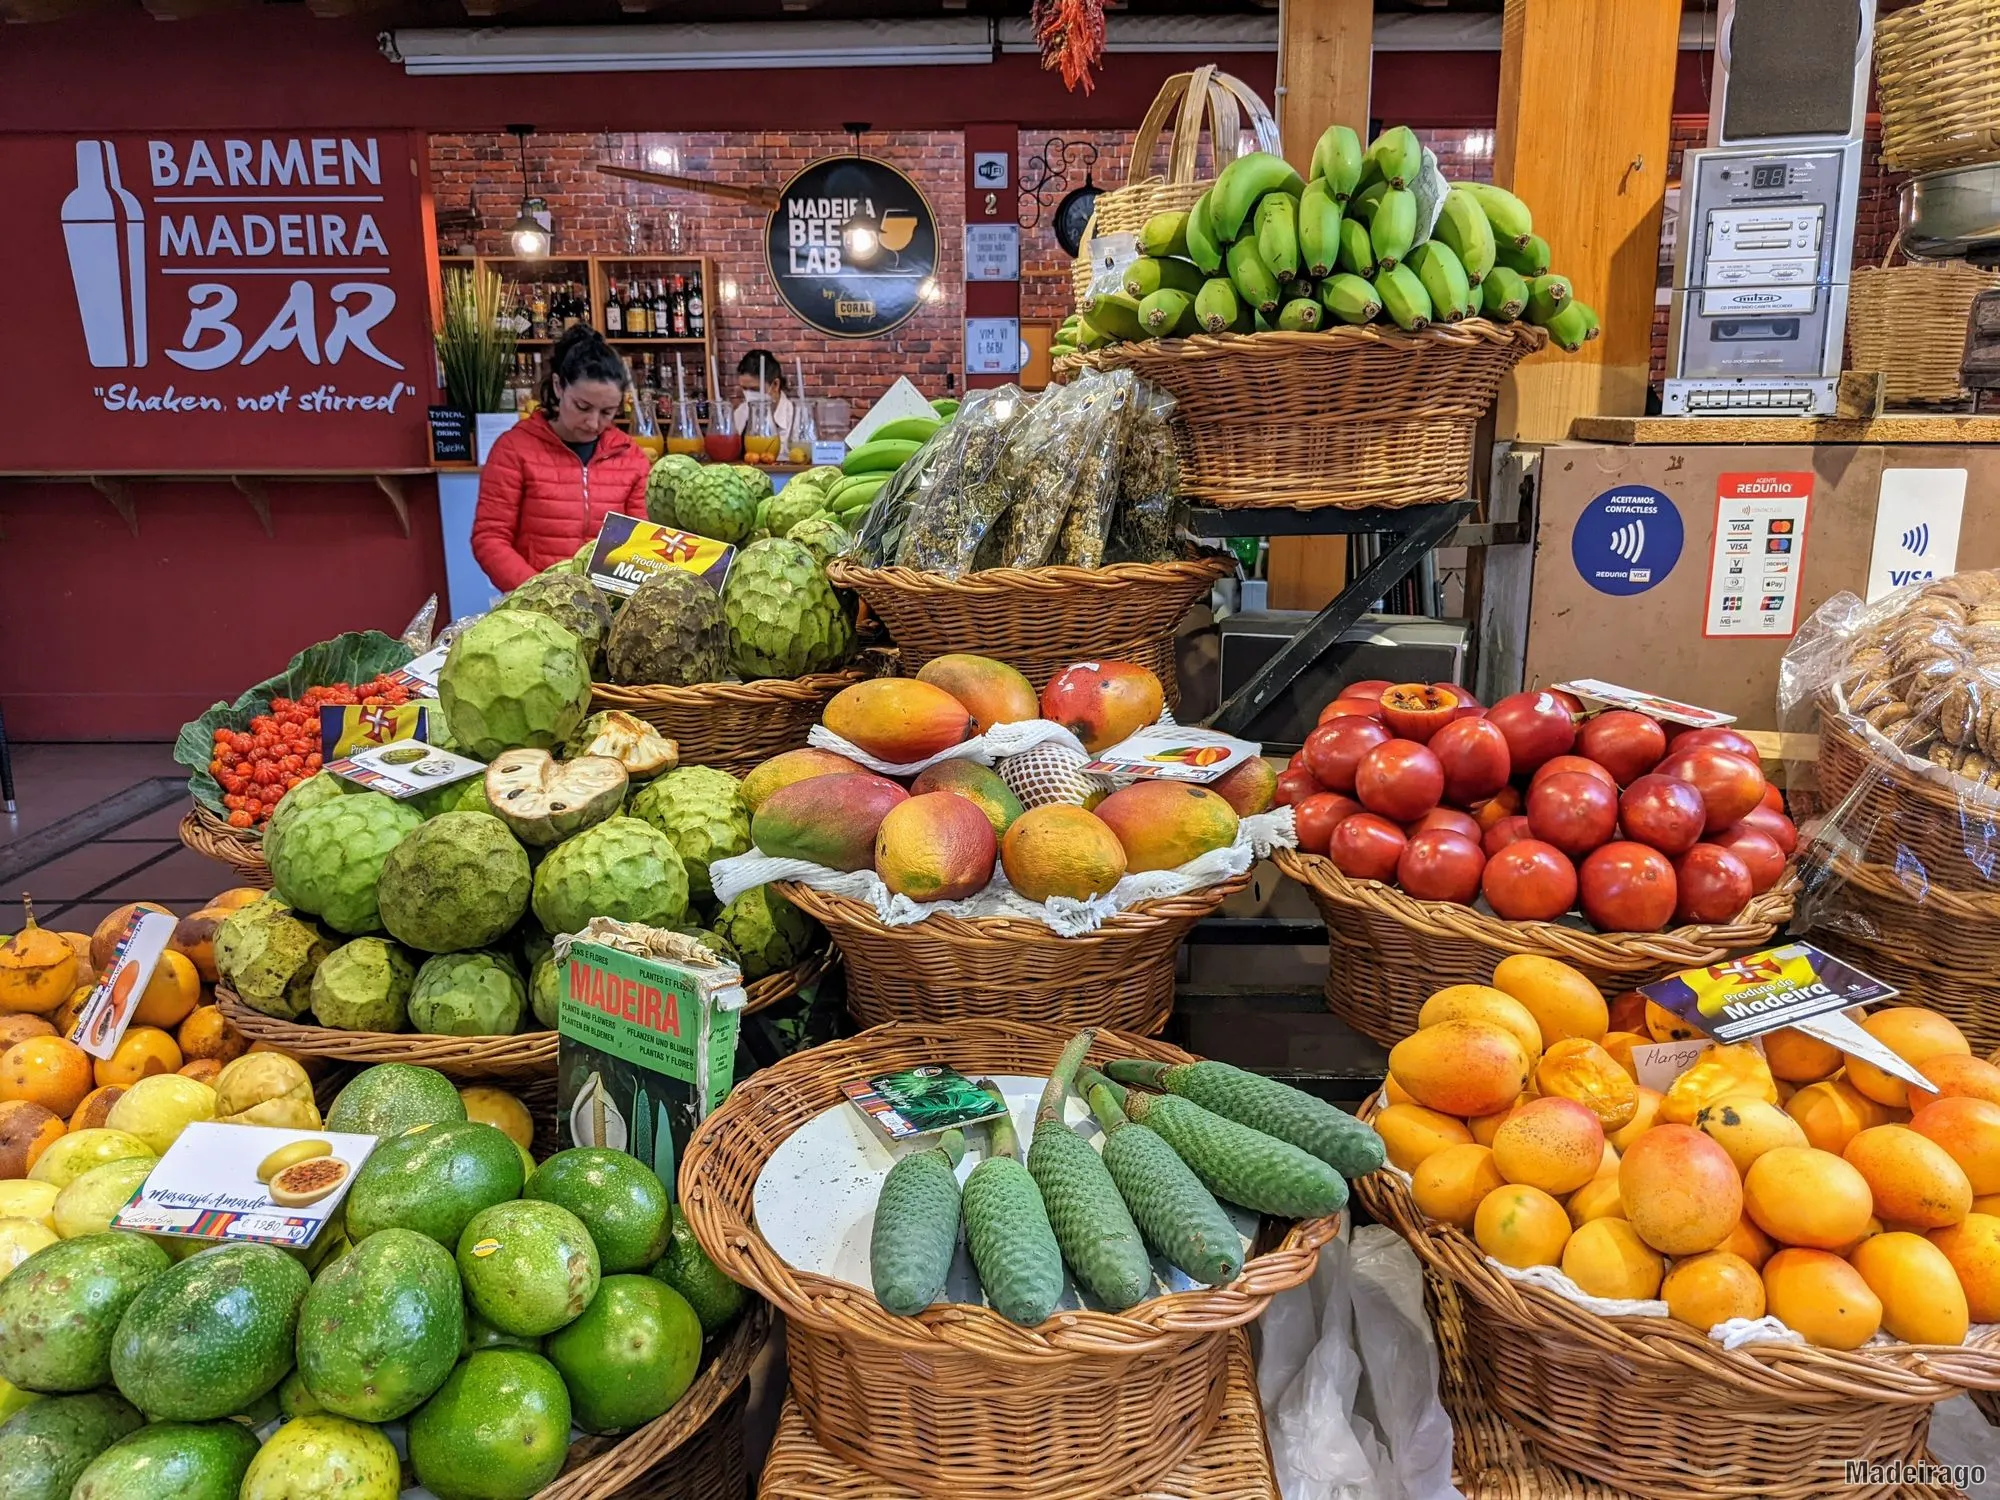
x: 1917, y: 517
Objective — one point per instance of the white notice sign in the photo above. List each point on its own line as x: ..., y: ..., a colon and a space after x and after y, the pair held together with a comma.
x: 993, y: 346
x: 992, y: 252
x: 1916, y: 528
x: 1759, y: 552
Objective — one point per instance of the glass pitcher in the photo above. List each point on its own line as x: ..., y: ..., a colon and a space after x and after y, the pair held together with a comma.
x: 805, y: 433
x: 684, y: 435
x: 760, y: 432
x: 724, y: 445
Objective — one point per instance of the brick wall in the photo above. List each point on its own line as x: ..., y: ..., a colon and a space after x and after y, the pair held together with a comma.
x: 596, y: 215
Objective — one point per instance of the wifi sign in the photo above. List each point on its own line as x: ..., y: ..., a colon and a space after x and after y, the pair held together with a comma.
x: 1626, y: 540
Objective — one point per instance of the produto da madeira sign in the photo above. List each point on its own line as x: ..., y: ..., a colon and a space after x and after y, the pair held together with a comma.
x: 852, y: 246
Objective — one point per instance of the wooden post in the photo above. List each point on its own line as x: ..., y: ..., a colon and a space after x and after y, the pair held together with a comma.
x: 1586, y: 93
x: 1325, y: 63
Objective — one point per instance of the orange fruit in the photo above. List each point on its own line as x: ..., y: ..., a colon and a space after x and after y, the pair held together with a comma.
x: 1803, y: 1196
x: 1521, y: 1226
x: 1960, y: 1077
x: 1554, y: 1144
x: 1450, y: 1184
x: 95, y: 1110
x: 1479, y: 1002
x: 26, y: 1131
x: 1973, y: 1248
x: 1969, y: 1131
x: 208, y: 1033
x: 1915, y: 1182
x: 1833, y: 1113
x: 1410, y: 1133
x: 48, y: 1071
x: 1596, y: 1199
x: 1712, y: 1288
x: 1607, y: 1258
x: 142, y: 1052
x: 1922, y: 1302
x: 1913, y: 1034
x: 1795, y: 1057
x: 1822, y: 1297
x: 172, y: 992
x: 1562, y: 1000
x: 1645, y: 1115
x: 1680, y: 1190
x: 18, y: 1028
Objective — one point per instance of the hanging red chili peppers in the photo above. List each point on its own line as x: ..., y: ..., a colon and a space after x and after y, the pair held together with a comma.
x: 1071, y: 34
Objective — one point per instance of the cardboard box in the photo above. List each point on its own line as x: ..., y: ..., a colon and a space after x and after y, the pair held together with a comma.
x: 1646, y: 615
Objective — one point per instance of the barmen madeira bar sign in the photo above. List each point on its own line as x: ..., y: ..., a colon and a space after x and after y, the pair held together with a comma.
x: 852, y: 246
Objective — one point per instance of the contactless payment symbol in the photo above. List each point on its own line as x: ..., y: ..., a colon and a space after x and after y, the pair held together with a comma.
x: 1626, y: 540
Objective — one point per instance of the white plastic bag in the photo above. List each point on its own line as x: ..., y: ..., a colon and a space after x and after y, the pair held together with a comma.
x: 1964, y: 1439
x: 1400, y: 1358
x: 1319, y: 1449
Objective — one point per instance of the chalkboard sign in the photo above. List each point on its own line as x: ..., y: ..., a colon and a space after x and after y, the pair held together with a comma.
x: 451, y: 435
x: 851, y: 246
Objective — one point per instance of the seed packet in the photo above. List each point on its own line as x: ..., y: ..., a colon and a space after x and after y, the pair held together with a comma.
x: 921, y: 1101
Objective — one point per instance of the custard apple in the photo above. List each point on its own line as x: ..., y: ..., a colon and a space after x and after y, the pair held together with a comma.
x: 721, y: 501
x: 543, y: 800
x: 468, y: 795
x: 768, y: 933
x: 268, y: 955
x: 663, y: 485
x: 784, y: 619
x: 822, y: 478
x: 321, y: 786
x: 578, y: 562
x: 514, y: 678
x: 364, y: 986
x: 459, y: 881
x: 467, y: 994
x: 626, y: 738
x: 573, y: 602
x: 791, y: 505
x: 545, y: 990
x: 622, y: 868
x: 331, y: 856
x: 703, y: 812
x: 822, y: 536
x: 670, y: 632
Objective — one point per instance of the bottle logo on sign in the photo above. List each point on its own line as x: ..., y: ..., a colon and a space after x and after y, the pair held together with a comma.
x: 104, y: 231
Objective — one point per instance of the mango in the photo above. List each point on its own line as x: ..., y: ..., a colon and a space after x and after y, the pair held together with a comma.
x: 1462, y: 1068
x: 980, y: 785
x: 1575, y: 1068
x: 1250, y: 787
x: 935, y: 847
x: 1737, y: 1072
x: 1914, y: 1034
x: 899, y: 719
x: 1969, y: 1131
x: 1803, y: 1196
x: 1607, y: 1258
x: 1712, y: 1288
x: 992, y: 692
x: 1747, y: 1127
x: 1058, y: 850
x: 1563, y: 1001
x: 829, y: 820
x: 1922, y: 1301
x: 790, y: 766
x: 1973, y: 1248
x: 1817, y: 1294
x: 1479, y: 1002
x: 1104, y: 702
x: 1164, y: 824
x: 1412, y: 1135
x: 1914, y: 1181
x: 1521, y: 1226
x: 1680, y: 1190
x: 1554, y: 1144
x: 1449, y: 1185
x: 1832, y: 1113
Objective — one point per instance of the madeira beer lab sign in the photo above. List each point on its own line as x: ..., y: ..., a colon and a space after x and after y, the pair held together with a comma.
x: 852, y: 247
x: 233, y: 302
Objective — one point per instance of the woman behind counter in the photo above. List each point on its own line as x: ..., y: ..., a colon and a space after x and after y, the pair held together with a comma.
x: 554, y: 476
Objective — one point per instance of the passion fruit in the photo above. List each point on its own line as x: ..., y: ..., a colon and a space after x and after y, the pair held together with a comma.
x: 306, y: 1182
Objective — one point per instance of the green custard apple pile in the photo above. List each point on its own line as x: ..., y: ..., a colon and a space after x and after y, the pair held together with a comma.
x: 1266, y: 249
x: 485, y: 1304
x: 1179, y: 1141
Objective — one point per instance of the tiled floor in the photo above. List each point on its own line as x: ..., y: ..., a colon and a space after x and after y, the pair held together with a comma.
x: 96, y: 825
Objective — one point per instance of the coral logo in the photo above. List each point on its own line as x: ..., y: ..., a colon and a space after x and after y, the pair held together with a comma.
x: 1629, y: 541
x: 1917, y: 540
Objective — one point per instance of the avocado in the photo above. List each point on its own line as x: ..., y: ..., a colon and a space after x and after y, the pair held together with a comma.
x: 388, y: 1099
x: 621, y: 1203
x: 324, y: 1458
x: 631, y: 1355
x: 686, y: 1268
x: 208, y: 1337
x: 60, y: 1308
x: 45, y: 1447
x: 433, y: 1179
x: 381, y: 1330
x: 480, y: 1334
x: 187, y: 1460
x: 498, y: 1428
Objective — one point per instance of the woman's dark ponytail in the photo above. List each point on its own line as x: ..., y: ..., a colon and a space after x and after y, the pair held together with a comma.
x: 580, y: 354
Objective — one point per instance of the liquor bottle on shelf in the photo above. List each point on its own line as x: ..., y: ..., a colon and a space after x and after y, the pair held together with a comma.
x: 697, y: 314
x: 663, y: 313
x: 680, y: 307
x: 521, y: 320
x: 638, y: 312
x: 614, y: 315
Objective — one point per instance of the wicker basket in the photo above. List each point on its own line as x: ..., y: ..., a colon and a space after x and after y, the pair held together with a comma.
x: 205, y: 833
x: 1341, y: 417
x: 1908, y: 322
x: 1233, y: 1463
x: 733, y: 726
x: 1229, y: 103
x: 958, y: 1400
x: 1038, y: 620
x: 946, y: 969
x: 772, y: 988
x: 527, y: 1054
x: 1388, y: 952
x: 694, y: 1452
x: 1660, y: 1410
x: 1940, y: 828
x: 1937, y: 74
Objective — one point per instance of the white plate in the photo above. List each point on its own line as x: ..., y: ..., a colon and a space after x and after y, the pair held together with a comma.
x: 815, y: 1198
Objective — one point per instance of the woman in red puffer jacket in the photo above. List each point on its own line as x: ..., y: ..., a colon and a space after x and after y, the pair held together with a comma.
x: 551, y: 480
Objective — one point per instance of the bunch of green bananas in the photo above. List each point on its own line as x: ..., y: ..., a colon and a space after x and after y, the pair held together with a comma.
x: 1265, y: 249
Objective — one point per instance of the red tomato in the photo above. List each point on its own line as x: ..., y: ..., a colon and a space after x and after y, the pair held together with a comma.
x: 1626, y: 744
x: 1574, y: 811
x: 1662, y: 812
x: 1563, y: 763
x: 1469, y: 707
x: 1773, y: 798
x: 1509, y: 830
x: 1783, y: 832
x: 1399, y: 779
x: 1318, y: 815
x: 1758, y: 851
x: 1474, y: 755
x: 1627, y: 887
x: 1371, y: 688
x: 1294, y: 786
x: 1714, y: 885
x: 1732, y: 740
x: 1335, y: 748
x: 1504, y: 803
x: 1729, y: 784
x: 1450, y: 818
x: 1360, y: 708
x: 1529, y: 881
x: 1439, y: 865
x: 1538, y: 727
x: 1367, y: 847
x: 1569, y: 701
